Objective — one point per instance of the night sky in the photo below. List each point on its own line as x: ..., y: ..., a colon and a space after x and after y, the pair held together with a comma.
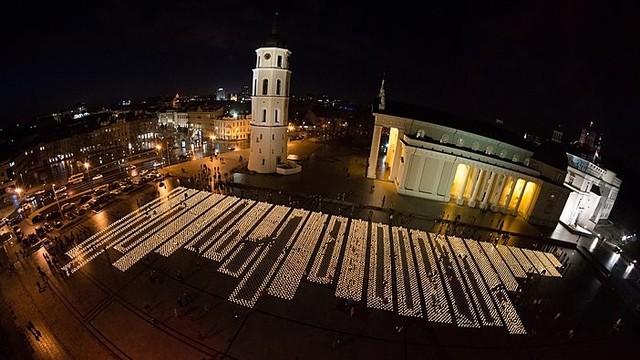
x: 533, y: 64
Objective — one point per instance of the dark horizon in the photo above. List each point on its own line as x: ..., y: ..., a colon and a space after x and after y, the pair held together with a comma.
x: 533, y: 65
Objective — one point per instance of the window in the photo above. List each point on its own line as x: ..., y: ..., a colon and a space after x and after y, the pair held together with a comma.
x: 265, y: 86
x: 264, y: 115
x: 273, y: 136
x: 276, y: 116
x: 262, y: 161
x: 260, y: 136
x: 279, y: 60
x: 278, y: 85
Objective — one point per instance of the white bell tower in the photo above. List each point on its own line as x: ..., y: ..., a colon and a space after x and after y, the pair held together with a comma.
x: 270, y: 105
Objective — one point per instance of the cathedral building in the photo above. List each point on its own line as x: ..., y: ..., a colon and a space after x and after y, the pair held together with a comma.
x: 435, y: 155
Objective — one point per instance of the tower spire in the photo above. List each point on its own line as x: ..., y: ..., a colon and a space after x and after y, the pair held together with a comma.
x: 274, y: 39
x: 382, y: 95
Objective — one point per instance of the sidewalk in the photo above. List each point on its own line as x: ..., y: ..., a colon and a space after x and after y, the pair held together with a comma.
x: 323, y: 175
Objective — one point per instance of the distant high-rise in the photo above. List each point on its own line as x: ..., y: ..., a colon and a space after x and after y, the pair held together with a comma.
x: 221, y: 94
x: 270, y: 105
x: 245, y: 95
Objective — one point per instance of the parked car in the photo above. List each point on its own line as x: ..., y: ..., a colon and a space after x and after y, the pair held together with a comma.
x: 86, y: 207
x: 36, y: 218
x: 32, y: 239
x: 18, y: 231
x: 68, y: 206
x: 48, y: 244
x: 52, y: 215
x: 94, y: 203
x: 84, y: 198
x: 40, y: 231
x: 4, y: 221
x: 57, y: 223
x: 48, y: 227
x: 97, y: 177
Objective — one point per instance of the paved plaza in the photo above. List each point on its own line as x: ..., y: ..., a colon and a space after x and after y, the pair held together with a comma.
x: 323, y: 264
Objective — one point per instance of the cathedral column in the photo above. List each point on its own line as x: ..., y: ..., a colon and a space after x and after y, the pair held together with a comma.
x: 495, y: 202
x: 487, y: 192
x: 375, y: 150
x: 515, y: 209
x: 460, y: 194
x: 505, y: 208
x: 395, y: 163
x: 476, y: 188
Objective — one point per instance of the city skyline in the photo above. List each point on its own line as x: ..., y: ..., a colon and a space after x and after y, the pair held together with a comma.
x: 534, y: 66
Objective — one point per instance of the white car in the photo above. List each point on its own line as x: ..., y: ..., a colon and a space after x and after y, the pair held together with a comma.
x: 97, y: 177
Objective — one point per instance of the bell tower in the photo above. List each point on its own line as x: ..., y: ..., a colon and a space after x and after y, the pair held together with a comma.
x: 270, y: 104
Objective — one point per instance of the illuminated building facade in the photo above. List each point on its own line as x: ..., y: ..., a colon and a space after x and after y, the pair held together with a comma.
x: 270, y: 105
x: 439, y: 156
x: 593, y: 193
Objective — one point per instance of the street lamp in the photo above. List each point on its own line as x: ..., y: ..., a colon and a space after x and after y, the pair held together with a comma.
x: 169, y: 148
x: 55, y: 195
x: 213, y: 143
x: 86, y: 167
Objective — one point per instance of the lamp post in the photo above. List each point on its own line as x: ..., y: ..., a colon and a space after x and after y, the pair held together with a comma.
x: 159, y: 153
x: 55, y: 195
x: 168, y: 152
x: 213, y: 144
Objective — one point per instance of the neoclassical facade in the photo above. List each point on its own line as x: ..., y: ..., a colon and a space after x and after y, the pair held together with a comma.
x: 440, y: 156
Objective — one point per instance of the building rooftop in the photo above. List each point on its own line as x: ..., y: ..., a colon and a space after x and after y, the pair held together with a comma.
x: 427, y: 114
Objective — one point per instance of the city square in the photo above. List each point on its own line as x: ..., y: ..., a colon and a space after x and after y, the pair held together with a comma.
x: 472, y: 207
x: 229, y: 286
